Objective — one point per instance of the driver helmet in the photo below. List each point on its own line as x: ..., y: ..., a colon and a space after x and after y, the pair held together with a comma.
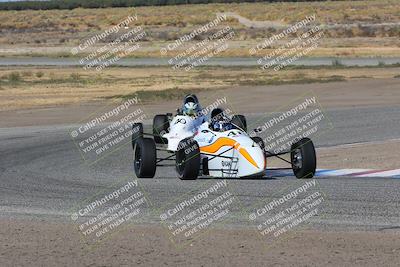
x: 219, y: 120
x: 191, y: 105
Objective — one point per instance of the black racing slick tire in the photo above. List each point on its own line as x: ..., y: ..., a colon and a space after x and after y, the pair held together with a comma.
x: 303, y: 158
x: 188, y: 159
x: 240, y: 121
x: 160, y: 127
x: 145, y: 158
x: 137, y: 132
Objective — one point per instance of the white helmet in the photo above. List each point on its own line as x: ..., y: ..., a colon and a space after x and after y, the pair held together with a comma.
x: 191, y: 105
x: 190, y: 109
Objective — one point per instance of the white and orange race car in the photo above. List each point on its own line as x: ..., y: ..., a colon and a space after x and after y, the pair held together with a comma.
x: 198, y: 147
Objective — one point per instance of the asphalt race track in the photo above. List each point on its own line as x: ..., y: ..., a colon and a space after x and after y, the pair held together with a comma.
x: 43, y: 176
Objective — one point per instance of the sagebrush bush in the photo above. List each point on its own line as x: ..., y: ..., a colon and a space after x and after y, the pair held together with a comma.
x: 14, y: 77
x: 39, y: 74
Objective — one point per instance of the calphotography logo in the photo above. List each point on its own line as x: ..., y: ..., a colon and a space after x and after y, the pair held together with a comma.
x: 291, y: 208
x: 188, y: 37
x: 281, y: 131
x: 106, y: 131
x: 192, y: 215
x: 98, y: 37
x: 301, y: 45
x: 190, y: 54
x: 107, y: 212
x: 98, y: 54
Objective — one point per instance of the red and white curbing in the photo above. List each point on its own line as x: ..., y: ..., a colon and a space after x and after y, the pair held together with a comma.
x: 390, y: 173
x: 393, y: 173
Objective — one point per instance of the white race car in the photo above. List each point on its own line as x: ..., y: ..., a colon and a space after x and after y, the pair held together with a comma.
x: 197, y: 148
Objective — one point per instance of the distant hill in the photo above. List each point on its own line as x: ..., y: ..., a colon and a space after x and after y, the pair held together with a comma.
x: 71, y: 4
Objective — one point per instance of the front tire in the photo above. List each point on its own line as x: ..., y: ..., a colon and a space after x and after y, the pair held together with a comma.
x: 303, y: 158
x: 188, y: 159
x: 145, y: 158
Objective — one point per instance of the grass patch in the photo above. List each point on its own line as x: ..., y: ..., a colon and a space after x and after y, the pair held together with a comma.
x: 157, y: 95
x: 278, y: 81
x: 39, y: 74
x: 16, y: 78
x: 12, y: 78
x: 360, y: 77
x: 177, y: 93
x: 158, y: 83
x: 337, y: 64
x: 72, y: 79
x: 335, y: 78
x: 27, y: 73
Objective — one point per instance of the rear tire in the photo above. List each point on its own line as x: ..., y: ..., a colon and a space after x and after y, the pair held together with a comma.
x: 188, y: 159
x: 137, y: 132
x: 240, y: 121
x: 145, y: 158
x: 160, y: 127
x: 303, y: 158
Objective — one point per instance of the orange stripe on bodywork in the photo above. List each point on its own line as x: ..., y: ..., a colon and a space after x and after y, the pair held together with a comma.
x: 224, y: 141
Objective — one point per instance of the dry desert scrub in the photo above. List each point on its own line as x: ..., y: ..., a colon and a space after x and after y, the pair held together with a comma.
x: 67, y: 28
x: 64, y: 86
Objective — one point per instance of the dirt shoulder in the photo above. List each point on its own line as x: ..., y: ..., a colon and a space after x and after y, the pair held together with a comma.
x: 240, y: 99
x: 363, y: 155
x: 41, y: 243
x: 38, y: 87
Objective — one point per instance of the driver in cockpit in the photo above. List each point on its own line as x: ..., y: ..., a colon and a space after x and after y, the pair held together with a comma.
x: 219, y: 121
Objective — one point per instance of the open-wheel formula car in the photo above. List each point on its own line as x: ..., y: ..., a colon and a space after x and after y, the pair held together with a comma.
x: 196, y: 148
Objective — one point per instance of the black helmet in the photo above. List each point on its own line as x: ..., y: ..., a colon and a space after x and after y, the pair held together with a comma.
x: 217, y: 114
